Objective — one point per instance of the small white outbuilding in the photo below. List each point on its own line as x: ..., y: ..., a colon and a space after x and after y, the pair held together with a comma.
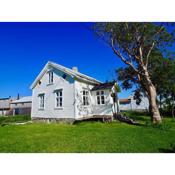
x: 60, y: 93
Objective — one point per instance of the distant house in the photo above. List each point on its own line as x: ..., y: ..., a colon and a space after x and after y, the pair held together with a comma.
x: 60, y: 93
x: 21, y: 106
x: 5, y: 106
x: 130, y: 104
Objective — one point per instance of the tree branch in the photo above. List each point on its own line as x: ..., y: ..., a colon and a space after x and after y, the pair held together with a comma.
x: 122, y: 58
x: 149, y: 52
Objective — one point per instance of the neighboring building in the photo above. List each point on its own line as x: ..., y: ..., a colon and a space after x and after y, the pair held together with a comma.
x: 60, y: 93
x: 130, y: 104
x: 5, y: 106
x: 22, y: 106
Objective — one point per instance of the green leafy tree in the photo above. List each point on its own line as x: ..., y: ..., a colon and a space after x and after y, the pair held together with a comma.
x: 162, y: 71
x: 135, y: 44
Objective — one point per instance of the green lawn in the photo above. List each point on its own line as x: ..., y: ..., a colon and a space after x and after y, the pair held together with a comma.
x: 12, y: 119
x: 87, y: 137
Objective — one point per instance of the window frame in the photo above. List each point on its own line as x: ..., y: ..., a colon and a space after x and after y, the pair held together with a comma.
x: 58, y: 98
x: 41, y: 101
x: 100, y: 97
x: 85, y: 97
x: 51, y: 77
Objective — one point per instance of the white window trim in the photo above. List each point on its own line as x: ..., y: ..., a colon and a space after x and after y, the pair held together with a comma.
x: 100, y: 95
x: 88, y: 97
x: 41, y: 107
x: 50, y: 77
x: 55, y: 93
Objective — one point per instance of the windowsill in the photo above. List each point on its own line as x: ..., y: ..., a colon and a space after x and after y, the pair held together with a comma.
x: 58, y: 108
x: 41, y: 109
x: 101, y: 104
x: 49, y: 84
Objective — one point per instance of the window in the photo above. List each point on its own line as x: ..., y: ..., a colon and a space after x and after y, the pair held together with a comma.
x: 41, y: 101
x: 100, y: 97
x: 50, y: 77
x: 58, y: 98
x: 85, y: 98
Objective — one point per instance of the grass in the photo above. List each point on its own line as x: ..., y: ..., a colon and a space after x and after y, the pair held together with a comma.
x: 85, y: 137
x: 14, y: 119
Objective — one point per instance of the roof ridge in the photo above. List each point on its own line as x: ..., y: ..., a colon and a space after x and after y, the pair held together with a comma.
x: 69, y: 69
x: 66, y: 70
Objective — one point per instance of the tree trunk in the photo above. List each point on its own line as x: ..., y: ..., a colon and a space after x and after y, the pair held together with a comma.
x: 117, y: 102
x: 156, y: 118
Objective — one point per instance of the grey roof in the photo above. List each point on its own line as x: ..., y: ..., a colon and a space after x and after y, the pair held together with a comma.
x: 7, y: 98
x: 66, y: 70
x: 26, y: 99
x: 101, y: 86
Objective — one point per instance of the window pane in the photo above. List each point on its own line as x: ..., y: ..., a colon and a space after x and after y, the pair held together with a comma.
x: 41, y: 101
x: 98, y: 100
x: 85, y: 98
x: 57, y: 102
x: 58, y: 98
x: 61, y: 101
x: 98, y: 93
x: 87, y: 101
x: 50, y: 77
x: 102, y: 92
x: 102, y: 100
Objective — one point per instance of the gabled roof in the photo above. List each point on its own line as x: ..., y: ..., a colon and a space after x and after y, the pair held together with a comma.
x: 66, y: 70
x: 26, y: 99
x: 101, y: 86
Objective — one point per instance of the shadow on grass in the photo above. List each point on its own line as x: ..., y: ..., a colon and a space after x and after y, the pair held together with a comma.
x: 171, y: 150
x: 91, y: 120
x: 162, y: 150
x: 136, y: 115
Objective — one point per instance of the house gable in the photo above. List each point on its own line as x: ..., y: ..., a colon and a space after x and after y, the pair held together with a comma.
x: 61, y: 82
x: 73, y: 74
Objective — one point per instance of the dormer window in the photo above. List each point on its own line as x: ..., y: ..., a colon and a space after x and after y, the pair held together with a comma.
x: 51, y: 77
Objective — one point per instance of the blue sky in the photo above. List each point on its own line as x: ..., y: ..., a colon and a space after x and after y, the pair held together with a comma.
x: 26, y: 47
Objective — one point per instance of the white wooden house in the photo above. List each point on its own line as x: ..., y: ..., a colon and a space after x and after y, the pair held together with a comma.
x: 130, y: 104
x: 60, y: 93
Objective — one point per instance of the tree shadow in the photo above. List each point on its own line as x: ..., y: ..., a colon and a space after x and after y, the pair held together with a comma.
x: 171, y: 150
x: 162, y: 150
